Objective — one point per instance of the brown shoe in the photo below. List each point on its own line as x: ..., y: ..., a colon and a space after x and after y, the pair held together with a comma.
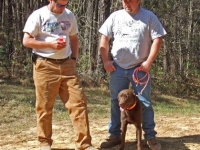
x: 154, y: 144
x: 111, y: 142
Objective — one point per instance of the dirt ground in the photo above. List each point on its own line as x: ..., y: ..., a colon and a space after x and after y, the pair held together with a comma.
x: 174, y: 133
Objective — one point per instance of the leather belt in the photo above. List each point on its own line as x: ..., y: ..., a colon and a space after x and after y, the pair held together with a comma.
x: 51, y: 59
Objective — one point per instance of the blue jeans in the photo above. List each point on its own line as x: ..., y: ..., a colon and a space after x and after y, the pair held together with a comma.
x: 119, y: 80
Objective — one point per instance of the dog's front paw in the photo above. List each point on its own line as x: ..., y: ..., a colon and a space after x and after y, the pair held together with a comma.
x: 122, y: 148
x: 139, y: 148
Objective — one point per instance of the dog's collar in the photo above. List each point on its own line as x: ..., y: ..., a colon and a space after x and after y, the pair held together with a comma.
x: 122, y: 109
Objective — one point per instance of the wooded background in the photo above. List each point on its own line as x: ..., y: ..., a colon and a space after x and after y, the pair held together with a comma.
x: 176, y: 69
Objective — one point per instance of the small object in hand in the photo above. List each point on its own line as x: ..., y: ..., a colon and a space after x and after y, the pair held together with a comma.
x: 62, y: 39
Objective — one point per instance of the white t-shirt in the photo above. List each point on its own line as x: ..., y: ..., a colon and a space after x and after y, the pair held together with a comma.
x: 45, y: 25
x: 133, y: 35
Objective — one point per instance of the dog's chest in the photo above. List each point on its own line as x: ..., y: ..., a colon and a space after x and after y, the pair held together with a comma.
x: 130, y: 117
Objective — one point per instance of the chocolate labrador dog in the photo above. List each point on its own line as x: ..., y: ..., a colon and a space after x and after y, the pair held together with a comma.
x: 131, y: 113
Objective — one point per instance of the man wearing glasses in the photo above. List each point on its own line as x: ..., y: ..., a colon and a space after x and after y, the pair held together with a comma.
x: 51, y: 32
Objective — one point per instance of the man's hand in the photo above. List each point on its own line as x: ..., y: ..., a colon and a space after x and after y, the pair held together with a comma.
x: 145, y: 66
x: 31, y: 42
x: 109, y: 67
x: 59, y: 44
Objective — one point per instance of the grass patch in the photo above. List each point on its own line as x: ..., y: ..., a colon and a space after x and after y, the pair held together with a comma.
x: 18, y: 106
x: 169, y: 104
x: 98, y: 102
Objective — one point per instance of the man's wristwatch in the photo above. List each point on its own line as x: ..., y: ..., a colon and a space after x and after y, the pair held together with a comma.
x: 74, y: 58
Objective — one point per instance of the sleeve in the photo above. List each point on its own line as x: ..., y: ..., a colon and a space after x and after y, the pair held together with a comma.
x: 156, y: 28
x: 106, y: 28
x: 32, y: 24
x: 74, y: 27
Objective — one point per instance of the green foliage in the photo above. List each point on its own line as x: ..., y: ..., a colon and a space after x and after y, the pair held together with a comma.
x: 83, y: 63
x: 5, y: 60
x: 88, y: 76
x: 181, y: 47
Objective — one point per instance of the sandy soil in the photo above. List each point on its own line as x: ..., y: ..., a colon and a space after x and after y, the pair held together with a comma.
x: 174, y: 133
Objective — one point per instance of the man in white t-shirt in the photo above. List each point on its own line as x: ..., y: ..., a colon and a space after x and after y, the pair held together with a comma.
x: 137, y: 38
x: 51, y: 32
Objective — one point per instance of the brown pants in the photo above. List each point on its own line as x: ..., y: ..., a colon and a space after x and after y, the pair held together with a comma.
x: 52, y: 78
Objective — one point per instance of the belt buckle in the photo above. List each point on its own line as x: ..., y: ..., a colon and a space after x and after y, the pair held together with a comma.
x: 56, y: 60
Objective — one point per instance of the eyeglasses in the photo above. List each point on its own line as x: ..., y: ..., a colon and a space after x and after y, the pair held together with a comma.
x: 59, y: 5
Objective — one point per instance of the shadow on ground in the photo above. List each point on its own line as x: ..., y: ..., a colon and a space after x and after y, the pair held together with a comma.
x: 61, y: 149
x: 168, y: 143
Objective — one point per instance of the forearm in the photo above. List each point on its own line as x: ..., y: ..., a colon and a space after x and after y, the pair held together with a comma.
x: 104, y: 51
x: 32, y: 43
x: 104, y: 54
x: 155, y: 48
x: 104, y: 48
x: 74, y: 41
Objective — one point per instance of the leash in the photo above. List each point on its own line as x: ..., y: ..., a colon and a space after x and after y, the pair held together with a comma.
x: 140, y: 81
